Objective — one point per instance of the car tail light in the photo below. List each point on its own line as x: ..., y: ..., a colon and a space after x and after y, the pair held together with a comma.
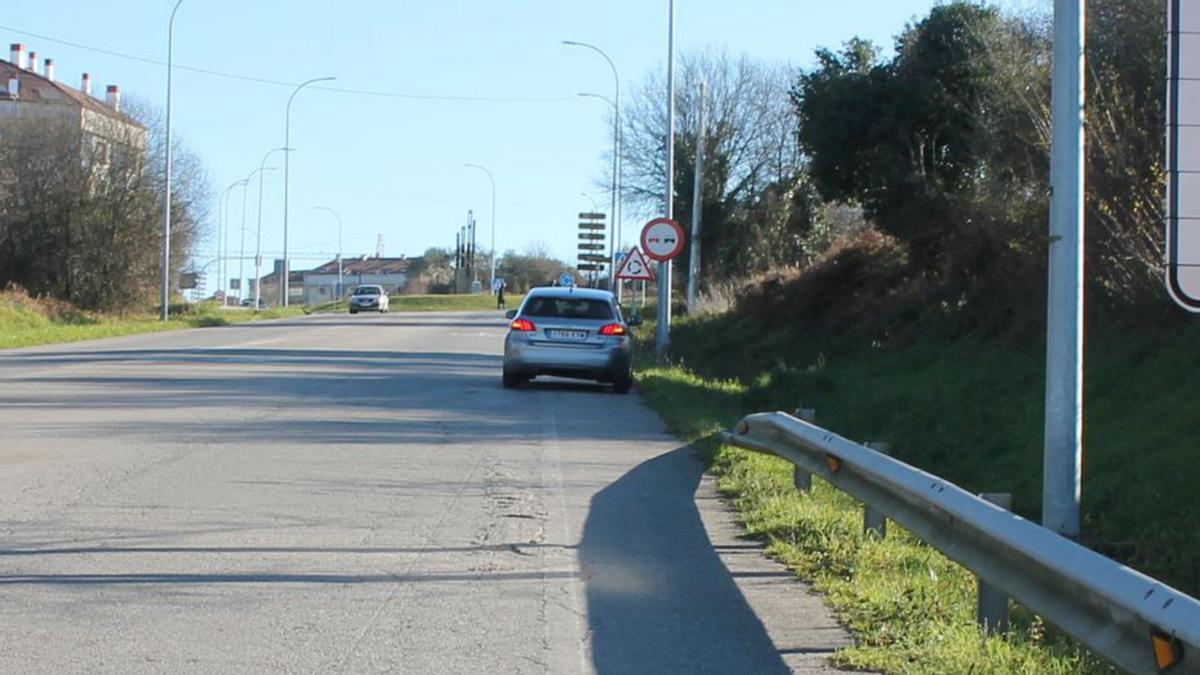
x: 614, y: 329
x: 523, y: 326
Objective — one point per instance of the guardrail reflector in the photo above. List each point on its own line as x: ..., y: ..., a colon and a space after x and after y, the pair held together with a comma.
x: 1168, y: 650
x: 834, y: 464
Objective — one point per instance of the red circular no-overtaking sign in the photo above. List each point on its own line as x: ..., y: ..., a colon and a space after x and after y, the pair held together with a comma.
x: 662, y: 239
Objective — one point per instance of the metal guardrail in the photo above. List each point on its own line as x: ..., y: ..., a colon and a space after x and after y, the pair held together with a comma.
x: 1138, y: 623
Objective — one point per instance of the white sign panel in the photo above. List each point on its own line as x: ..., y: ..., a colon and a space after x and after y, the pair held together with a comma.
x: 1183, y: 154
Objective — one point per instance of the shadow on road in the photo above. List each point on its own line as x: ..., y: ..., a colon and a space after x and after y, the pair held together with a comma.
x: 659, y: 599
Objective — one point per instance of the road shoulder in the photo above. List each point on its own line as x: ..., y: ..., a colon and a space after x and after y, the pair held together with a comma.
x: 803, y: 628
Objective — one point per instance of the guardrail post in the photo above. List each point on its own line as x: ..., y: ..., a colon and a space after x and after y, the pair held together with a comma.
x: 874, y: 520
x: 992, y: 613
x: 801, y: 478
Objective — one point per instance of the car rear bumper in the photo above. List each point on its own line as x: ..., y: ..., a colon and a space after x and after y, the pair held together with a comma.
x: 607, y: 363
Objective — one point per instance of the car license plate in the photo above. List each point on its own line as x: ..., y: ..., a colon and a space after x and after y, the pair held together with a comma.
x: 567, y: 334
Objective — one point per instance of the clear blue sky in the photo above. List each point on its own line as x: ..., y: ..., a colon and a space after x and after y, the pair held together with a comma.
x: 394, y: 166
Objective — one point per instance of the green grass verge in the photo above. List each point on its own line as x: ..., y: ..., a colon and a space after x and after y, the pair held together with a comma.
x: 25, y: 326
x: 967, y: 408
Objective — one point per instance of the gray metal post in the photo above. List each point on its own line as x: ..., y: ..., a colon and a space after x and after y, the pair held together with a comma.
x: 992, y: 612
x: 615, y: 230
x: 800, y: 478
x: 663, y: 330
x: 1064, y: 325
x: 262, y: 166
x: 287, y: 143
x: 492, y: 180
x: 165, y: 295
x: 242, y: 247
x: 224, y: 266
x: 697, y: 201
x: 875, y: 521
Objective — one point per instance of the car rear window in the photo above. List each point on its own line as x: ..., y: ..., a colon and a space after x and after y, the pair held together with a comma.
x: 568, y: 308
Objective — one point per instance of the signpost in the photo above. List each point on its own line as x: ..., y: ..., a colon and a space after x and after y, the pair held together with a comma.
x: 592, y: 245
x: 662, y: 240
x: 1183, y: 154
x: 633, y: 267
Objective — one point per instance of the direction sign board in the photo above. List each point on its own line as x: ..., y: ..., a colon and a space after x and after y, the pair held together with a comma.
x: 591, y: 216
x: 593, y: 226
x: 1183, y: 154
x: 634, y: 267
x: 591, y: 235
x: 591, y: 247
x: 593, y: 257
x: 662, y: 239
x: 589, y: 267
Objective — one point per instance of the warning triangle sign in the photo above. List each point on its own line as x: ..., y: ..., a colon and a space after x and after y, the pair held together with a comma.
x: 635, y: 267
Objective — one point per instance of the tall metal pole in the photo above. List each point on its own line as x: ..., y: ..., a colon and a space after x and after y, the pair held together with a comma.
x: 338, y: 289
x: 224, y: 266
x: 1064, y: 325
x: 492, y: 264
x: 262, y: 167
x: 663, y: 333
x: 165, y: 295
x: 242, y: 249
x: 697, y: 201
x: 287, y: 143
x: 614, y: 225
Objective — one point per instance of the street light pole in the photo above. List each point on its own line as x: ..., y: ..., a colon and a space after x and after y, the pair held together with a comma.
x: 165, y: 295
x: 1063, y: 449
x: 223, y: 268
x: 287, y: 143
x: 663, y: 333
x: 338, y: 291
x: 492, y: 264
x: 258, y: 231
x: 615, y: 226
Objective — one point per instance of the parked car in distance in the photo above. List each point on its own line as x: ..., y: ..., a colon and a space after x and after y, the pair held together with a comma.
x: 249, y: 302
x: 369, y: 298
x: 569, y: 332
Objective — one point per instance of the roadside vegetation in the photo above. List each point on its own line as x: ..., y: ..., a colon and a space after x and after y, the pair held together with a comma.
x: 26, y: 321
x: 884, y: 261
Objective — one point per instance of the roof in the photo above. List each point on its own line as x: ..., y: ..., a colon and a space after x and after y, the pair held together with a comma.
x: 367, y: 266
x: 37, y: 88
x: 571, y: 292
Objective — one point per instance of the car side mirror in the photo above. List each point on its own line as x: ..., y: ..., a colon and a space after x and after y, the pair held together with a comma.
x: 635, y: 321
x: 512, y: 314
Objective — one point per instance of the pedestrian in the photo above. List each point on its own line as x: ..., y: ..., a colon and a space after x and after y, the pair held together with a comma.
x: 500, y: 286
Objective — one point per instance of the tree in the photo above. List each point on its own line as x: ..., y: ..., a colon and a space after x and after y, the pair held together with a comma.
x: 80, y: 213
x: 755, y: 202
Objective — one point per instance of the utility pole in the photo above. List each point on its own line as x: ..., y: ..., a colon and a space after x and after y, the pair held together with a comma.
x: 166, y: 233
x: 1064, y: 321
x: 663, y: 333
x: 697, y: 201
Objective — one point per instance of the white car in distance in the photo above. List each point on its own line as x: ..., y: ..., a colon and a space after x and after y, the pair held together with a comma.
x: 369, y: 298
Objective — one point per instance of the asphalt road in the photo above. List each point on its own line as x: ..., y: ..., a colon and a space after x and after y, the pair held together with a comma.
x: 336, y: 494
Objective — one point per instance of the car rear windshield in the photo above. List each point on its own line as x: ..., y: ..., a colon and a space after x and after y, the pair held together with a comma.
x: 568, y: 308
x: 366, y: 291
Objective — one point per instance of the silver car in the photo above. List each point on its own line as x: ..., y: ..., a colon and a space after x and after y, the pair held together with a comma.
x: 569, y: 332
x: 369, y: 298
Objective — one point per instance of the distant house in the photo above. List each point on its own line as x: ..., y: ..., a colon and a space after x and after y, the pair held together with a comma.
x: 320, y: 283
x: 270, y: 286
x: 31, y: 91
